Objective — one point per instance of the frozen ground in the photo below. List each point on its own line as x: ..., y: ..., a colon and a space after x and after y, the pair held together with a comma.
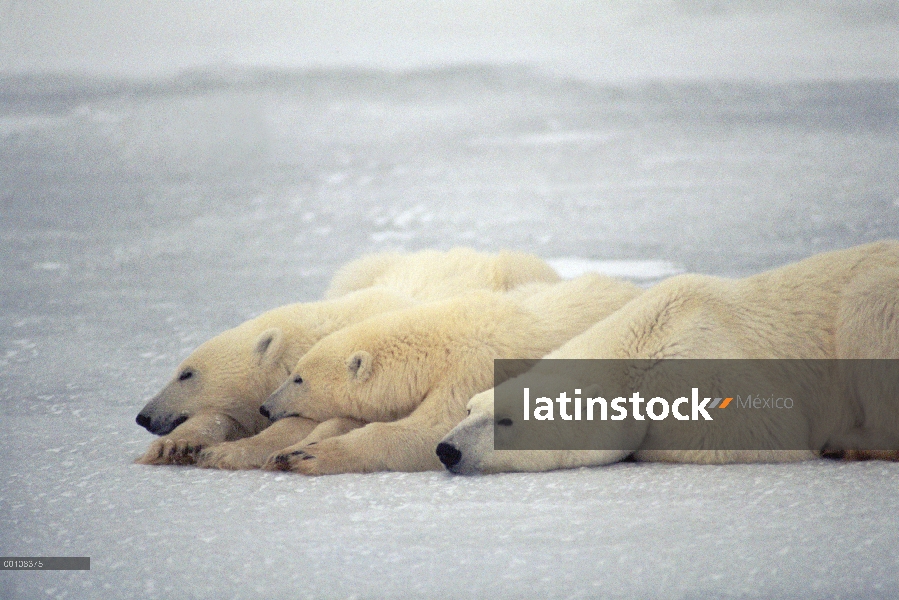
x: 139, y: 219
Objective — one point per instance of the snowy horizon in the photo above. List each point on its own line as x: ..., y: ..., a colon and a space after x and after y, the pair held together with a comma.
x: 605, y: 41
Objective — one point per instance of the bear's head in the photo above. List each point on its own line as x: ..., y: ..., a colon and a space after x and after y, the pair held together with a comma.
x: 465, y: 447
x: 367, y: 371
x: 230, y: 374
x: 469, y: 448
x: 495, y: 418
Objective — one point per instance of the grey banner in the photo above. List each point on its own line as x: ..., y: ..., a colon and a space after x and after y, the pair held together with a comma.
x: 757, y: 405
x: 45, y: 563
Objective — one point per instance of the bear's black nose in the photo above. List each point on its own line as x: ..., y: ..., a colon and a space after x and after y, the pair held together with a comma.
x: 143, y: 420
x: 448, y: 454
x: 264, y: 411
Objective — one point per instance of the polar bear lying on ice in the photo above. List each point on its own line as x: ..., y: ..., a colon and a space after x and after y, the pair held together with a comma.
x: 837, y: 305
x: 215, y: 393
x: 409, y: 373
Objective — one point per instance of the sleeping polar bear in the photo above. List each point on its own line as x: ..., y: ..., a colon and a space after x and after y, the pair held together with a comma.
x: 210, y: 406
x: 837, y: 305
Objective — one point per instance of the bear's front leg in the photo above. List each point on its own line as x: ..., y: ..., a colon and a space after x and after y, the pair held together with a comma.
x: 181, y: 446
x: 396, y: 446
x: 326, y: 430
x: 252, y: 452
x: 335, y: 457
x: 332, y: 428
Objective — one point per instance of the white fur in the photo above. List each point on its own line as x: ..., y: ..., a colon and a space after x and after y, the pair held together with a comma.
x: 410, y: 372
x: 234, y: 372
x: 841, y: 304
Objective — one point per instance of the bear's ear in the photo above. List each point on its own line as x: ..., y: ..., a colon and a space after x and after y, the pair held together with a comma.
x: 359, y: 364
x: 268, y: 345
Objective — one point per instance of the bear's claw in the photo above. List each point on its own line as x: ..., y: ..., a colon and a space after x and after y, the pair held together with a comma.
x: 166, y: 451
x: 280, y: 462
x: 287, y: 461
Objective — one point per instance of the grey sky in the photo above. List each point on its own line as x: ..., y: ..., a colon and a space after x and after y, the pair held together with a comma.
x: 601, y: 39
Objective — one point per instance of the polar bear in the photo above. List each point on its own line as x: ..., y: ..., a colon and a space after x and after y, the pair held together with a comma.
x: 837, y: 305
x: 409, y: 373
x: 215, y: 393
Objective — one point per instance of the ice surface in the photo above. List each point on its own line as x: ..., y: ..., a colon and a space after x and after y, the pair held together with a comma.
x: 636, y: 270
x: 140, y: 218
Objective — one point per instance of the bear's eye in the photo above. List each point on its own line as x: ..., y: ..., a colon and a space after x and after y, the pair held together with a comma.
x: 298, y: 379
x: 507, y: 422
x: 469, y: 411
x: 185, y: 375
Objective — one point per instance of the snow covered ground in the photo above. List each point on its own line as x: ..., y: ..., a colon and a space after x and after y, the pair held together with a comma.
x: 142, y: 216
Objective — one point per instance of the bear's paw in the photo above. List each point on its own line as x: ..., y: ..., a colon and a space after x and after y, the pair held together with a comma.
x: 170, y: 451
x: 326, y: 457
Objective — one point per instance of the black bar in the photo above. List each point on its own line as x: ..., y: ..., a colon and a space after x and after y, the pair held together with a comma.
x: 45, y: 563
